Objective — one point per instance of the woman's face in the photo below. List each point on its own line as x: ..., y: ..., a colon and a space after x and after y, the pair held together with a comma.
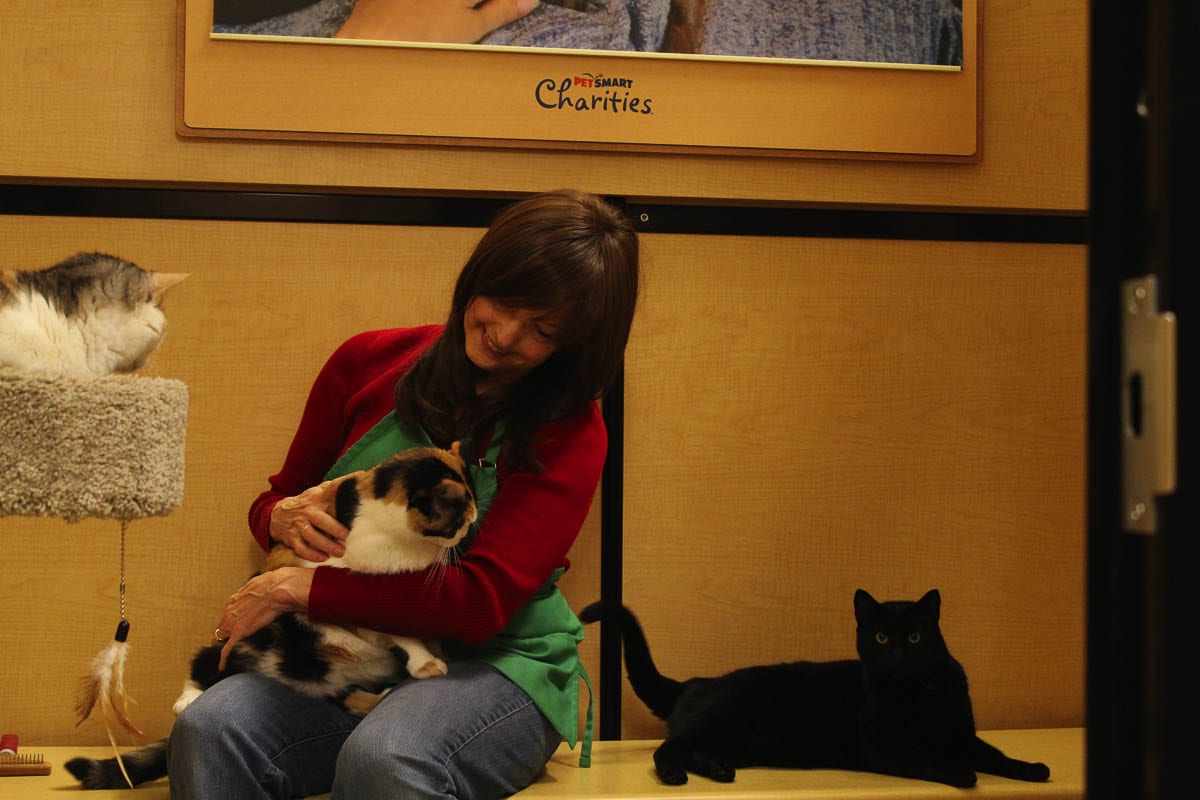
x: 505, y: 342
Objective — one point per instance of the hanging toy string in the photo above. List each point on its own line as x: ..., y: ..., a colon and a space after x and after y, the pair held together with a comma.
x: 124, y: 529
x: 103, y: 688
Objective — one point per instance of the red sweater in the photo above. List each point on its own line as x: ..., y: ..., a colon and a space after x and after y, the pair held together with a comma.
x: 531, y: 524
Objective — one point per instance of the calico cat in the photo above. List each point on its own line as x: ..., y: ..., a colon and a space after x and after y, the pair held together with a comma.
x: 405, y: 514
x: 902, y: 708
x: 90, y: 315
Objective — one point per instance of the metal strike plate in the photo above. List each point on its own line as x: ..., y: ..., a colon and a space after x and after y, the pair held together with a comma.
x: 1147, y: 403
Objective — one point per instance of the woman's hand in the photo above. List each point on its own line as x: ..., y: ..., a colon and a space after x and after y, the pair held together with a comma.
x: 260, y: 602
x: 306, y: 524
x: 449, y: 21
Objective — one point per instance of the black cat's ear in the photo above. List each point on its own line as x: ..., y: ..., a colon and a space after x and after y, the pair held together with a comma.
x: 931, y: 601
x: 864, y: 604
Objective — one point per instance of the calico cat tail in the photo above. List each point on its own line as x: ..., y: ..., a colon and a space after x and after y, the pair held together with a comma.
x: 657, y: 691
x: 145, y: 764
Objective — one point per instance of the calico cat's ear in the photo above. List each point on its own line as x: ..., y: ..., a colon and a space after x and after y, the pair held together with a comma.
x: 162, y: 282
x: 864, y: 605
x: 931, y: 603
x: 466, y: 449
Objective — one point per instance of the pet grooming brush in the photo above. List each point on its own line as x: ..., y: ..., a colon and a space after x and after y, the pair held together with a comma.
x: 23, y: 764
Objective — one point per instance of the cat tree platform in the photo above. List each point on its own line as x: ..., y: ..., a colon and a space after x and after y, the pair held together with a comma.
x: 110, y: 447
x: 624, y: 771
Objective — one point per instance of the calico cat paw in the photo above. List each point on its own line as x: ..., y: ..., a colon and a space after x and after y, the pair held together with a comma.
x: 433, y: 668
x: 191, y: 690
x: 360, y: 701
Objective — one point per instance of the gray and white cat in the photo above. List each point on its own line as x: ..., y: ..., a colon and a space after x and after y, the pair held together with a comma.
x: 88, y: 316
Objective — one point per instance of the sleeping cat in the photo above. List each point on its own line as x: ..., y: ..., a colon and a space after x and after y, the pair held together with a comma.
x: 902, y: 708
x: 88, y: 316
x: 405, y: 514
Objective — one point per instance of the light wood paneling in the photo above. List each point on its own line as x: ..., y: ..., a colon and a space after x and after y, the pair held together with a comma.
x: 92, y: 97
x: 807, y: 417
x: 891, y: 415
x: 263, y: 307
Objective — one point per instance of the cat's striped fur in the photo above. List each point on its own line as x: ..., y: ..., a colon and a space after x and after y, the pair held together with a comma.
x: 87, y: 316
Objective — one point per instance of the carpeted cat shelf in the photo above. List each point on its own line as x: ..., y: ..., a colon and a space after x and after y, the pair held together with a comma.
x: 108, y: 448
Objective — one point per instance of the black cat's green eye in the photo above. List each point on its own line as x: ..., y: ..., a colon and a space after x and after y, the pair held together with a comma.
x: 914, y: 637
x: 881, y: 638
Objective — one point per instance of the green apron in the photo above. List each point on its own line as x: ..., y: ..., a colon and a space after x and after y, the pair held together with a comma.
x: 539, y: 650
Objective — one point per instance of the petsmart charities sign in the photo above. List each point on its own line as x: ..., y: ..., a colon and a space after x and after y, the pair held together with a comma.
x: 588, y: 92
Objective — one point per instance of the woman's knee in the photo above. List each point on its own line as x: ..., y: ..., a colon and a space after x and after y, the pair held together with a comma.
x: 203, y: 721
x: 374, y: 764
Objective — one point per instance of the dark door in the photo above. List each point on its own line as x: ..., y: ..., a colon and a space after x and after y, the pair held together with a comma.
x: 1143, y: 532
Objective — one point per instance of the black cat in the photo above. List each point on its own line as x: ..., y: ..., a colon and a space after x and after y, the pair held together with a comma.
x: 901, y: 709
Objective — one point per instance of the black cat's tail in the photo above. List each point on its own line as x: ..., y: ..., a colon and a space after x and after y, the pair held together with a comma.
x: 988, y: 758
x: 145, y: 764
x: 657, y: 691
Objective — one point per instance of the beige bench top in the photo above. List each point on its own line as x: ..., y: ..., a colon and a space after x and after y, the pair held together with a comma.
x: 624, y: 771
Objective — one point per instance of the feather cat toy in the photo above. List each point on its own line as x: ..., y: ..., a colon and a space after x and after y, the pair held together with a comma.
x: 103, y: 689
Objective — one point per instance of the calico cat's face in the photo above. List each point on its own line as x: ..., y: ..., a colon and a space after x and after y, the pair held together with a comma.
x: 899, y: 638
x: 406, y: 510
x: 89, y: 315
x: 432, y: 484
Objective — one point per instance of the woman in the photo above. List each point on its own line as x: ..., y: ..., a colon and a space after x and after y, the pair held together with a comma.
x: 538, y: 324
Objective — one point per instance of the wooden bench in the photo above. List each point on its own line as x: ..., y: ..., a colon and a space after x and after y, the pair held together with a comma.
x: 624, y: 771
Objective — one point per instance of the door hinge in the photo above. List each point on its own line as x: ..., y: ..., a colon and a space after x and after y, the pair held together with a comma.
x: 1147, y: 403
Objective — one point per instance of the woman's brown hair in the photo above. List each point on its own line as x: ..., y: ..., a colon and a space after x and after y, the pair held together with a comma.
x: 564, y: 251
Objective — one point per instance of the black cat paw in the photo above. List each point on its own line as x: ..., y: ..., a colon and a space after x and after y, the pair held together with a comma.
x: 961, y: 780
x: 89, y: 772
x: 1036, y: 772
x: 672, y: 776
x: 722, y: 773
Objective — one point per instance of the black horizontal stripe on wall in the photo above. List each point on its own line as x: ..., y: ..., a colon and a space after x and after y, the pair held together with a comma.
x: 476, y: 211
x: 250, y: 206
x: 743, y: 220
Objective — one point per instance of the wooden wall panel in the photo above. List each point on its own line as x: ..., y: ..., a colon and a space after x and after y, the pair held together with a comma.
x: 263, y: 307
x: 891, y: 415
x: 91, y: 97
x: 807, y: 417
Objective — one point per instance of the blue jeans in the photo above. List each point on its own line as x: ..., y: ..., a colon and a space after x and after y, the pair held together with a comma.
x: 470, y: 734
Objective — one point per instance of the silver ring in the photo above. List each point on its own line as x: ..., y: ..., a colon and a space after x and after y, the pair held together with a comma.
x: 218, y: 637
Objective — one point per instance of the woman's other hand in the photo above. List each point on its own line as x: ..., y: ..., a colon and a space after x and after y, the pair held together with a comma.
x: 450, y: 21
x: 306, y: 524
x: 260, y: 602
